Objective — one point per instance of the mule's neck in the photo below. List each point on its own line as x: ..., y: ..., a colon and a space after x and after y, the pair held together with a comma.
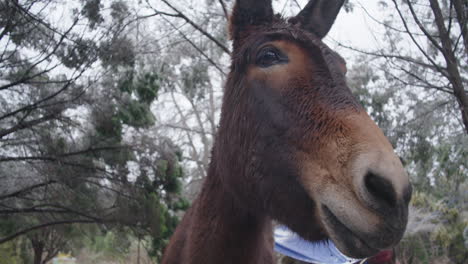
x: 224, y: 230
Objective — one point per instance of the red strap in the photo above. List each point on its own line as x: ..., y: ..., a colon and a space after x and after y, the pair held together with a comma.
x: 383, y: 257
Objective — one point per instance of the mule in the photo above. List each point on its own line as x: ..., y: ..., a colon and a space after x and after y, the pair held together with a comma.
x: 293, y: 146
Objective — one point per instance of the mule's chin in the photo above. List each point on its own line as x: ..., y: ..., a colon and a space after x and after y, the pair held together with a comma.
x: 345, y: 240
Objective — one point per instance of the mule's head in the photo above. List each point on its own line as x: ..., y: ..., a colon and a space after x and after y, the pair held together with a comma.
x: 293, y: 141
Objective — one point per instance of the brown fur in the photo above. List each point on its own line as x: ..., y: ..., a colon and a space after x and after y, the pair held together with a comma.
x: 293, y: 146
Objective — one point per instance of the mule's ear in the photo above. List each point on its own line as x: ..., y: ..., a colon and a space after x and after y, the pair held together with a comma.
x: 248, y: 13
x: 318, y: 16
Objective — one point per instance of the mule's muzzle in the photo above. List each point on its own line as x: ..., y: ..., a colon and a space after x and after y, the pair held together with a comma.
x: 359, y: 243
x: 371, y: 215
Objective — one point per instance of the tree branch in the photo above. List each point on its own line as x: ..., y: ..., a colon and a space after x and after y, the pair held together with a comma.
x: 452, y: 66
x: 422, y: 28
x: 27, y: 189
x: 24, y: 125
x: 61, y: 155
x: 223, y: 6
x: 436, y: 67
x: 440, y: 69
x: 461, y: 11
x: 198, y: 49
x: 197, y: 27
x: 27, y: 230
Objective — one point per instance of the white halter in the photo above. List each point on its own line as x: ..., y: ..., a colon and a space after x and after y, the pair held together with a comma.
x: 323, y: 252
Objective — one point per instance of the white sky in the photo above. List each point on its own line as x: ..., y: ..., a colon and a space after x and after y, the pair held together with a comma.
x: 354, y: 29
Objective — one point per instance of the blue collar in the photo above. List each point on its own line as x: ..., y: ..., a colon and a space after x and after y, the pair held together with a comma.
x: 323, y: 252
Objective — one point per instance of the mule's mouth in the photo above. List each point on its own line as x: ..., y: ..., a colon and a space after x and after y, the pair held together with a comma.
x: 347, y: 241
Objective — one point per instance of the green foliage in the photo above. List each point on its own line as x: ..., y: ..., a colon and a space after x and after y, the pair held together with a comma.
x: 92, y: 11
x: 446, y: 239
x: 158, y: 206
x: 195, y: 79
x: 136, y: 114
x: 8, y: 225
x: 164, y: 221
x: 118, y: 52
x: 83, y: 51
x: 180, y: 205
x: 147, y: 87
x: 119, y: 11
x: 9, y: 253
x: 111, y: 243
x: 15, y: 252
x: 109, y: 127
x: 167, y: 225
x: 169, y: 176
x: 125, y: 83
x: 417, y: 247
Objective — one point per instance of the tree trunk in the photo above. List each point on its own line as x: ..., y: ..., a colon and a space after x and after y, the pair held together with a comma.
x: 452, y: 67
x: 461, y: 11
x: 38, y: 248
x: 138, y: 255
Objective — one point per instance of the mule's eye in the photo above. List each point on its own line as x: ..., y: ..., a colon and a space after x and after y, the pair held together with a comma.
x: 270, y: 56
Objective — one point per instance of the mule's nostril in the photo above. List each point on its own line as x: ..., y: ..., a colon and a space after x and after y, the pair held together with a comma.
x: 380, y: 188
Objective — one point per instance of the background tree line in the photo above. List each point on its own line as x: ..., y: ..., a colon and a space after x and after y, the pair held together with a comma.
x: 108, y: 109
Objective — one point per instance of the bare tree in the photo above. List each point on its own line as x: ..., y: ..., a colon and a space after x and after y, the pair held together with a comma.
x: 425, y: 47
